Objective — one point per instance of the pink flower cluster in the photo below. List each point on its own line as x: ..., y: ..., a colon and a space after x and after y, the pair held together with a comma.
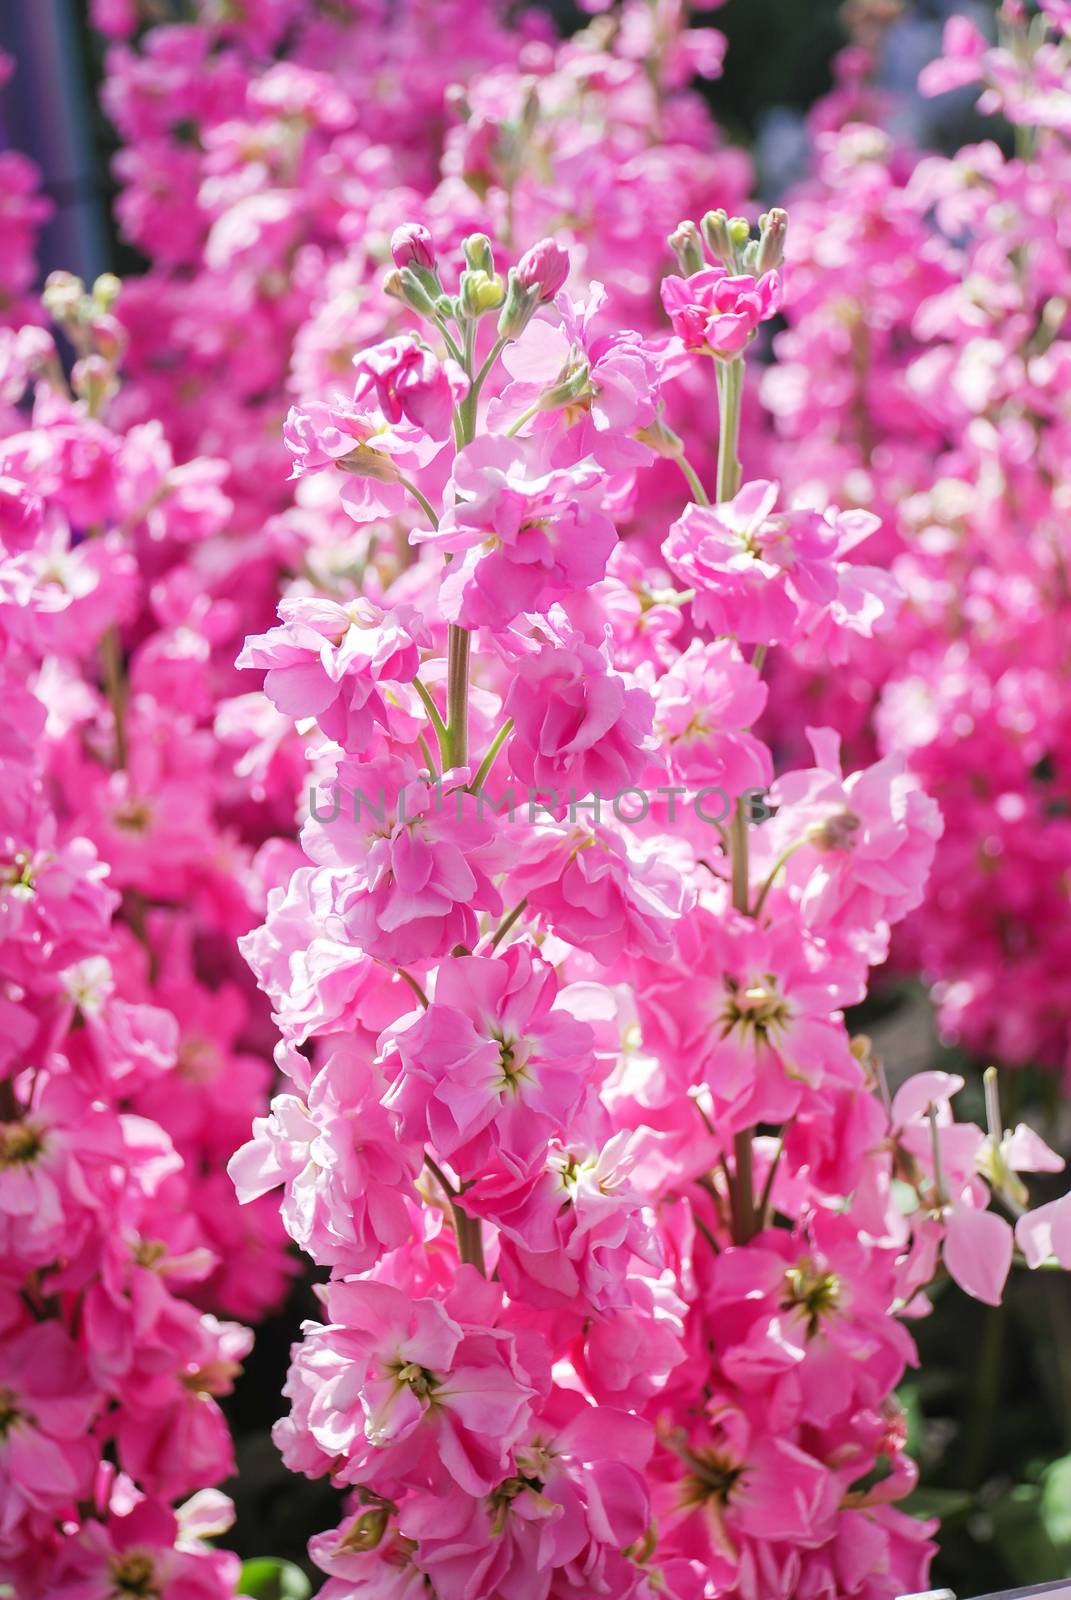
x: 612, y: 1202
x: 925, y: 363
x: 133, y: 1047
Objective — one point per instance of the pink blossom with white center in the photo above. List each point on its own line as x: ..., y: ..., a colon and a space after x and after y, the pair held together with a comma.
x: 867, y: 841
x: 526, y: 533
x: 705, y: 707
x: 716, y: 312
x: 398, y: 1391
x: 337, y: 663
x: 493, y: 1068
x: 408, y: 382
x: 755, y: 572
x: 578, y: 726
x: 347, y: 1177
x: 604, y: 890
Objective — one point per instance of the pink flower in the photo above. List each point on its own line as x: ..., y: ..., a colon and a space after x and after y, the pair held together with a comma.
x: 569, y: 1229
x: 401, y: 1392
x: 715, y: 313
x: 407, y: 381
x: 417, y: 861
x: 337, y: 663
x: 750, y: 1012
x: 47, y: 1455
x: 527, y: 534
x: 545, y: 267
x: 868, y: 840
x: 754, y: 572
x: 601, y: 890
x: 493, y: 1068
x: 360, y: 441
x: 348, y: 1179
x: 578, y: 726
x: 963, y: 52
x: 411, y: 245
x: 705, y: 706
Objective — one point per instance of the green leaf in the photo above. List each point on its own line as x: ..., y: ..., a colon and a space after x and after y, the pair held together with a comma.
x: 267, y: 1578
x: 1055, y: 1506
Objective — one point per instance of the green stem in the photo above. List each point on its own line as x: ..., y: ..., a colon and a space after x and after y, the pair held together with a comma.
x: 507, y: 923
x: 730, y: 394
x: 699, y: 494
x: 772, y: 874
x: 425, y: 504
x: 524, y: 417
x: 743, y: 1189
x: 489, y: 759
x: 738, y: 847
x: 433, y: 716
x: 457, y: 696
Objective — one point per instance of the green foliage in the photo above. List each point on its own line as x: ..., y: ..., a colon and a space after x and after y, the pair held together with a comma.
x: 267, y: 1578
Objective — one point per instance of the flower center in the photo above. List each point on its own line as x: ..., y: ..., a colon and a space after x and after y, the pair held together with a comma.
x: 20, y: 1144
x: 757, y: 1007
x: 9, y: 1411
x: 134, y: 1574
x: 836, y: 832
x: 713, y: 1477
x: 815, y: 1293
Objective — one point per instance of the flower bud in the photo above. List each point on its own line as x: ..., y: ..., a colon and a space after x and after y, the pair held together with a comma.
x: 715, y: 226
x: 478, y: 253
x: 62, y: 295
x: 106, y: 290
x: 366, y: 1531
x: 773, y: 227
x: 687, y: 246
x: 406, y: 285
x: 364, y: 462
x: 544, y: 267
x: 93, y: 381
x: 480, y: 292
x: 411, y: 245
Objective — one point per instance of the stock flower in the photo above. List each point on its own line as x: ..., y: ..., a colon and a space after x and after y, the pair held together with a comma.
x: 526, y: 534
x: 493, y: 1067
x: 754, y: 571
x: 715, y: 312
x: 578, y: 726
x: 417, y: 861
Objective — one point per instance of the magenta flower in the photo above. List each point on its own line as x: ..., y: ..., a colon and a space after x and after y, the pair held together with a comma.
x: 493, y: 1068
x: 754, y: 572
x: 527, y: 534
x: 326, y: 1150
x: 579, y: 727
x: 716, y: 313
x: 417, y: 861
x: 404, y: 1393
x: 408, y: 382
x: 338, y: 663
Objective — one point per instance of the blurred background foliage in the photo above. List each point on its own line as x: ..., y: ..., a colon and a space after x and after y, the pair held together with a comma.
x: 989, y: 1414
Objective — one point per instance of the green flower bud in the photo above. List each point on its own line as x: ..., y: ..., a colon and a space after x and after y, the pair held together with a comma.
x: 687, y: 246
x: 480, y: 292
x: 479, y: 254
